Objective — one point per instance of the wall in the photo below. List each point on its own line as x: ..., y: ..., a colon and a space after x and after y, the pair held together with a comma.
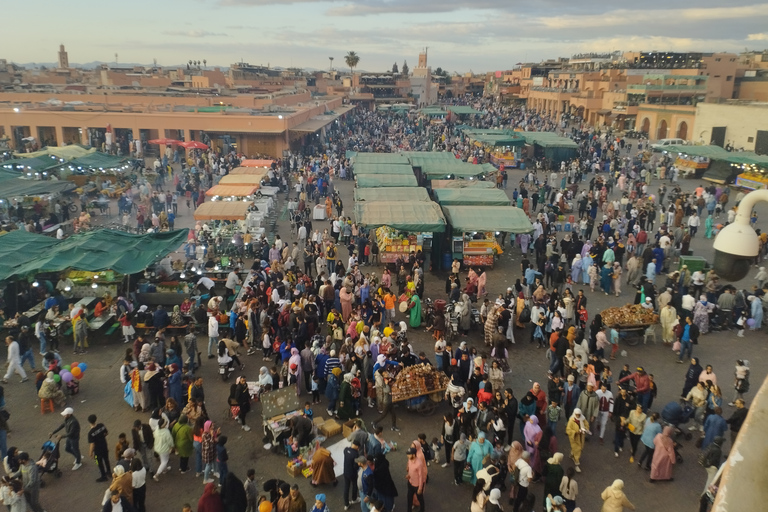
x: 753, y: 90
x: 741, y: 122
x: 674, y: 115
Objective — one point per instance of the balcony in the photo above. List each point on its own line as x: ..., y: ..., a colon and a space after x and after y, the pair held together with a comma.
x: 666, y: 87
x: 554, y: 89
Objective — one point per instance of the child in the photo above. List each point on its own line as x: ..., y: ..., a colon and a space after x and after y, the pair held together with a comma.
x: 538, y: 333
x: 308, y: 410
x: 251, y: 492
x: 553, y: 415
x: 583, y: 317
x: 320, y: 505
x: 742, y: 322
x: 222, y: 457
x: 315, y: 389
x: 121, y: 446
x: 436, y: 446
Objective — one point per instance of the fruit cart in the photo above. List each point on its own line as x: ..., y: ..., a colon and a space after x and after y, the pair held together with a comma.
x: 630, y: 321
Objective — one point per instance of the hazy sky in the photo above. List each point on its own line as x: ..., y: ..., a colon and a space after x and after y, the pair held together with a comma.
x: 477, y: 35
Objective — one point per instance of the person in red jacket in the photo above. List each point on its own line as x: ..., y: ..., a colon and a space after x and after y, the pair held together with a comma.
x: 642, y: 386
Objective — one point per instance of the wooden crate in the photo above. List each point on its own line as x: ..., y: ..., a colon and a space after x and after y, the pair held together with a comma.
x: 347, y: 428
x: 330, y: 428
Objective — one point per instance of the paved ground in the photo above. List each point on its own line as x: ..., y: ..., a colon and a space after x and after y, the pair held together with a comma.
x: 101, y: 393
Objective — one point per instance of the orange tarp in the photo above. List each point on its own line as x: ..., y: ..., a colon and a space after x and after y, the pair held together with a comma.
x: 256, y: 163
x: 232, y: 190
x: 222, y: 210
x: 242, y: 179
x: 253, y: 171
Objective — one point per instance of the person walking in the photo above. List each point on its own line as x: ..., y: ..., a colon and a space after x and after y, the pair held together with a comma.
x: 14, y: 360
x: 651, y: 429
x: 30, y: 480
x: 459, y: 457
x: 182, y: 441
x: 385, y: 393
x: 71, y: 429
x: 663, y: 455
x: 569, y: 489
x: 98, y: 447
x: 576, y: 431
x: 163, y: 446
x: 635, y: 425
x: 351, y: 453
x: 416, y: 480
x: 737, y: 419
x: 614, y: 499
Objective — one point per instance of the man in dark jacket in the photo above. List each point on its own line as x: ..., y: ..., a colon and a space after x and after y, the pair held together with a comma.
x: 510, y: 409
x: 382, y: 481
x: 351, y: 453
x: 71, y: 429
x: 737, y: 419
x: 160, y: 319
x: 622, y: 406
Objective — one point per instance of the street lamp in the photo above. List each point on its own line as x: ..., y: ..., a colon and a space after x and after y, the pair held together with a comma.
x: 737, y: 244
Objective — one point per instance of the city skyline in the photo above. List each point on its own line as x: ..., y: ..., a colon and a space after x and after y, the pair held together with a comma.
x: 492, y: 35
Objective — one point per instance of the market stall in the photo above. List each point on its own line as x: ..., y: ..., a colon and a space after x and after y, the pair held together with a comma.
x: 461, y: 184
x: 253, y: 171
x: 471, y: 196
x: 223, y: 210
x: 392, y: 194
x: 404, y: 227
x: 551, y: 146
x: 631, y: 321
x: 257, y: 163
x: 379, y: 158
x: 421, y: 386
x: 242, y: 179
x: 474, y: 229
x: 385, y: 180
x: 228, y: 192
x: 383, y: 169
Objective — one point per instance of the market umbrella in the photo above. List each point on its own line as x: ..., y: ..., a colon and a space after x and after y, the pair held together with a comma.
x: 193, y: 145
x: 167, y: 142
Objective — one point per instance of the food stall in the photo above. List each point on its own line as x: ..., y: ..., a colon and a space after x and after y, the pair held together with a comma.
x: 630, y: 321
x: 421, y: 386
x: 277, y: 407
x: 231, y: 192
x: 265, y: 163
x: 223, y: 210
x: 242, y: 179
x: 386, y: 180
x: 383, y: 169
x: 379, y: 158
x: 474, y: 229
x: 471, y: 196
x: 392, y: 194
x: 461, y: 184
x: 406, y: 226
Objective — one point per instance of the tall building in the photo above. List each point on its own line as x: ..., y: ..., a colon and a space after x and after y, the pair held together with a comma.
x: 422, y: 89
x: 63, y: 58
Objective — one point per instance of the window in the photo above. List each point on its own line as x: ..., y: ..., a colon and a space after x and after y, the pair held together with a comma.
x: 728, y: 78
x: 717, y: 59
x: 750, y: 139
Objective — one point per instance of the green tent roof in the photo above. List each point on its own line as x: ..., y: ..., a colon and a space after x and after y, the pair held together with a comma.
x: 711, y: 152
x: 37, y: 164
x: 392, y: 194
x: 386, y: 180
x: 487, y: 218
x: 472, y: 196
x: 463, y: 184
x: 418, y: 159
x: 456, y: 169
x: 379, y: 158
x: 433, y: 111
x: 747, y: 157
x: 413, y: 217
x: 498, y: 139
x: 548, y: 140
x: 97, y: 161
x: 21, y: 187
x: 383, y: 169
x: 92, y: 251
x: 463, y: 109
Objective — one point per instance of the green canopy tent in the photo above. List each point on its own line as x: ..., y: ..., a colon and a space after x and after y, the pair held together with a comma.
x: 551, y: 145
x: 721, y: 172
x: 383, y: 169
x: 21, y: 187
x: 471, y: 196
x: 386, y: 180
x: 37, y: 164
x: 463, y: 110
x: 711, y: 152
x: 461, y: 184
x: 487, y: 218
x: 748, y: 158
x: 414, y: 194
x: 457, y: 169
x: 97, y: 162
x: 92, y: 251
x: 379, y: 158
x: 416, y: 217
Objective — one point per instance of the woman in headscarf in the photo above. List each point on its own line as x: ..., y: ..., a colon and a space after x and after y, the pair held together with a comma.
x: 491, y: 324
x: 50, y: 391
x: 481, y: 282
x: 284, y: 499
x: 692, y: 376
x: 701, y: 312
x: 176, y: 318
x: 616, y: 278
x: 345, y: 298
x: 663, y: 455
x: 414, y: 306
x: 519, y: 306
x: 546, y: 445
x: 576, y: 430
x: 526, y: 409
x: 322, y: 468
x: 477, y: 452
x: 346, y: 409
x: 294, y: 369
x: 532, y: 433
x: 553, y: 475
x: 464, y: 312
x: 146, y: 353
x: 614, y: 499
x: 233, y: 494
x: 210, y: 501
x: 175, y: 390
x: 264, y: 377
x: 576, y: 268
x: 756, y: 312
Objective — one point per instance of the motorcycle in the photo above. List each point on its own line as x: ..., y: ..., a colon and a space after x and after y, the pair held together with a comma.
x: 225, y: 370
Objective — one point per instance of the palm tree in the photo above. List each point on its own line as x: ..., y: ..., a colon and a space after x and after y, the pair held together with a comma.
x: 205, y: 62
x: 352, y: 60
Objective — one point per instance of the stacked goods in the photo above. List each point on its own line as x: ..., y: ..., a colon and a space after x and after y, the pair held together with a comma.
x: 629, y: 316
x: 417, y: 380
x: 296, y: 466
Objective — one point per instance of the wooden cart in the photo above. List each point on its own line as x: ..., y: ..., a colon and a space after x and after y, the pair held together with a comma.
x: 424, y: 403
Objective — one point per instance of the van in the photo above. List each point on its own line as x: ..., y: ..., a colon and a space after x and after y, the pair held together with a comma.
x: 663, y: 143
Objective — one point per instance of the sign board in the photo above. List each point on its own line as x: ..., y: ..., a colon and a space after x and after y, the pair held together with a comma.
x: 279, y: 401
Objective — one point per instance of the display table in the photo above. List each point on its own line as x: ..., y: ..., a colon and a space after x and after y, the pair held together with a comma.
x: 318, y: 212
